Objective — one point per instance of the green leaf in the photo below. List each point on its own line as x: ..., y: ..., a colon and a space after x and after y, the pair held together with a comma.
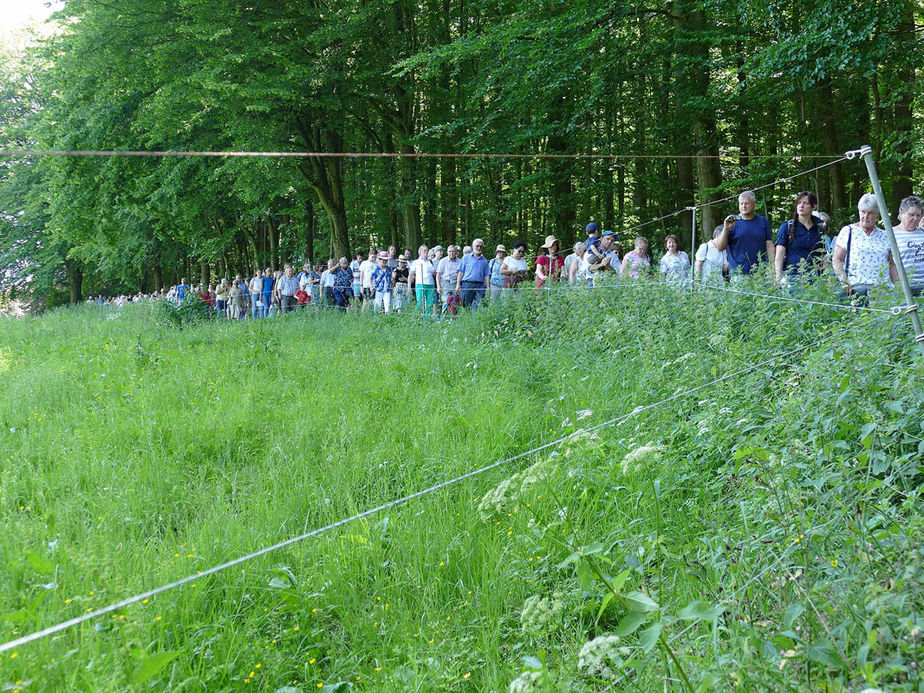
x: 649, y: 637
x: 338, y: 687
x: 151, y: 666
x: 39, y: 563
x: 585, y: 576
x: 617, y: 582
x: 823, y: 652
x: 606, y: 602
x: 700, y: 611
x: 793, y: 612
x: 630, y: 623
x: 641, y: 602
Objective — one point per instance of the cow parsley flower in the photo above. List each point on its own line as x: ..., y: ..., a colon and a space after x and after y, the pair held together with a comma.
x: 641, y: 457
x: 528, y: 682
x: 540, y: 612
x: 601, y: 656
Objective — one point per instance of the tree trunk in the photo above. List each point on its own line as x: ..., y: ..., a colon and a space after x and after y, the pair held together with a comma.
x: 310, y: 225
x: 74, y: 281
x: 325, y: 176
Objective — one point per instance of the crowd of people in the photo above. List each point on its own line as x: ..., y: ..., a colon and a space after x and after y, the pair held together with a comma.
x: 440, y: 280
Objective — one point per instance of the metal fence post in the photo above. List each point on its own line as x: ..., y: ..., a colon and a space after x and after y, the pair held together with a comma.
x: 867, y: 153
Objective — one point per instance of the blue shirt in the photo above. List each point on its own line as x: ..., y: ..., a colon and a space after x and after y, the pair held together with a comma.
x: 592, y: 242
x: 268, y: 283
x: 343, y: 277
x: 497, y: 279
x: 381, y: 280
x: 806, y: 244
x: 181, y: 292
x: 747, y: 243
x: 474, y: 269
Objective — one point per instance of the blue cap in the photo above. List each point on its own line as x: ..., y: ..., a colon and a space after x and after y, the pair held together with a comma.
x: 611, y: 233
x: 592, y: 227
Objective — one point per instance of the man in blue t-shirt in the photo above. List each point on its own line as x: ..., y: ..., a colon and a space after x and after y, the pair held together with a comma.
x: 181, y: 290
x: 746, y: 235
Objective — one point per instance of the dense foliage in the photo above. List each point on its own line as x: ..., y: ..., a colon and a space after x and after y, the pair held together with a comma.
x: 760, y: 533
x: 742, y: 82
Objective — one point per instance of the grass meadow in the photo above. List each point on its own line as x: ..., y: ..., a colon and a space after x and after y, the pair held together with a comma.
x: 762, y: 532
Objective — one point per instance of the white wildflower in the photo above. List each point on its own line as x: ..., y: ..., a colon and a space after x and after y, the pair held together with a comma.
x: 600, y: 657
x: 642, y: 456
x: 527, y: 682
x: 583, y: 414
x: 540, y: 612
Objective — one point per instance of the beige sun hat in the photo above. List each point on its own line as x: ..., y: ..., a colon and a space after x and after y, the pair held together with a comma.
x: 549, y: 242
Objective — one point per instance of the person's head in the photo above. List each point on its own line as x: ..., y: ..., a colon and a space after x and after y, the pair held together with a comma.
x: 383, y: 259
x: 422, y: 252
x: 319, y: 267
x: 672, y: 243
x: 806, y: 203
x: 289, y: 270
x: 183, y: 281
x: 344, y: 262
x: 359, y: 256
x: 437, y: 251
x: 331, y: 263
x: 453, y: 252
x: 551, y: 245
x: 579, y: 248
x: 641, y: 245
x: 717, y: 230
x: 519, y: 249
x: 392, y: 251
x: 747, y: 203
x: 617, y: 248
x: 868, y: 208
x: 910, y: 212
x: 477, y: 247
x: 592, y: 229
x: 500, y: 252
x: 238, y: 279
x: 402, y: 261
x: 372, y: 253
x: 606, y: 242
x: 268, y: 272
x: 467, y: 250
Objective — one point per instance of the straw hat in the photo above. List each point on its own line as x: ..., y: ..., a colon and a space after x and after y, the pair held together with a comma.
x: 549, y: 242
x: 500, y: 249
x: 383, y: 255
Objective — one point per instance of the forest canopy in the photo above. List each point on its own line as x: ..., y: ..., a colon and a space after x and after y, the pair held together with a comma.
x: 735, y: 94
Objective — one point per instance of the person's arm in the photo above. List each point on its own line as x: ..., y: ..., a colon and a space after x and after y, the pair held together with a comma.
x: 778, y: 261
x: 837, y: 260
x: 721, y: 241
x: 487, y: 279
x: 893, y: 270
x: 459, y: 281
x: 769, y: 249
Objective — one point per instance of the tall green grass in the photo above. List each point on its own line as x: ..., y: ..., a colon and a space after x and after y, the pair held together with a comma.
x: 782, y: 505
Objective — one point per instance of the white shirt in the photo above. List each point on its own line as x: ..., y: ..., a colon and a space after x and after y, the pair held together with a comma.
x: 423, y: 271
x: 511, y: 263
x: 447, y: 269
x: 675, y: 267
x: 868, y: 261
x: 911, y: 248
x: 366, y: 268
x: 713, y: 260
